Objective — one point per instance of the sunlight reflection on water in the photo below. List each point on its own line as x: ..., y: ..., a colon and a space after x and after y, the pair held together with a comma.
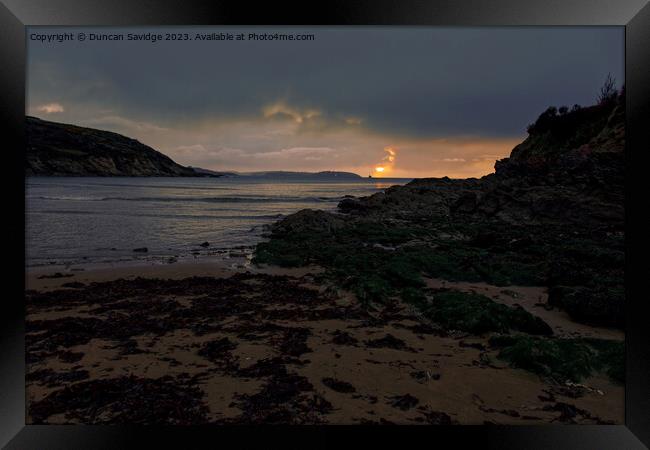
x: 104, y: 219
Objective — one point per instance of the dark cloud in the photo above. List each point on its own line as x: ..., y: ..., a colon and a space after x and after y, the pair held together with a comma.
x: 415, y: 82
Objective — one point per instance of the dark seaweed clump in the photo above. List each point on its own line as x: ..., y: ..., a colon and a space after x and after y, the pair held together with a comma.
x: 404, y: 402
x: 284, y: 399
x: 583, y: 269
x: 563, y: 359
x: 123, y: 310
x: 338, y: 385
x: 388, y: 341
x: 124, y: 400
x: 477, y: 314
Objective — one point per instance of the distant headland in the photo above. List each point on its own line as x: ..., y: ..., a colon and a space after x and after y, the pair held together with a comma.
x: 58, y: 149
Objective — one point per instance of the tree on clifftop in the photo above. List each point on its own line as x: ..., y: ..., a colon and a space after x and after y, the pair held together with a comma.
x: 608, y: 90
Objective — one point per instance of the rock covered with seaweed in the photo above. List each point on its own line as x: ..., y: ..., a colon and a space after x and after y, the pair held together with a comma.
x: 551, y: 215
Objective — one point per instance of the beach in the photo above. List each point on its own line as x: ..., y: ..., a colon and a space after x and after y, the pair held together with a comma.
x: 272, y: 345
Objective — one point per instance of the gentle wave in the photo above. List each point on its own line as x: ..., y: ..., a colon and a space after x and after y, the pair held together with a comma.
x: 68, y: 220
x: 243, y: 199
x: 67, y: 198
x: 135, y: 185
x: 164, y: 216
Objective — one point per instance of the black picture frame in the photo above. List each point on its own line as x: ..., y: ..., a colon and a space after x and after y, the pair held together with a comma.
x: 15, y: 15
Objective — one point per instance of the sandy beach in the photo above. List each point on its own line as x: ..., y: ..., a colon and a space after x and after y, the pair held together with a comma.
x: 204, y: 343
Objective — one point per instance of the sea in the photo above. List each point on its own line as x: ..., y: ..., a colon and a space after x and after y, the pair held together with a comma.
x: 78, y: 220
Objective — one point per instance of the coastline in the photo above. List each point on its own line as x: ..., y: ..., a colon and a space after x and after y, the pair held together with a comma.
x: 45, y: 278
x: 498, y: 300
x: 70, y: 220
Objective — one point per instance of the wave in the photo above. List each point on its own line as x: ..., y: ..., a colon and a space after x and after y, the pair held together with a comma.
x: 67, y: 197
x: 32, y: 185
x: 164, y: 216
x: 241, y: 199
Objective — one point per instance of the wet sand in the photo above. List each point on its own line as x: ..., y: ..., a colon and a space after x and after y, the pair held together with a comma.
x: 148, y: 344
x: 44, y: 278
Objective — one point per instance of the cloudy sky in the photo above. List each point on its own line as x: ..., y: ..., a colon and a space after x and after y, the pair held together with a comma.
x: 415, y: 101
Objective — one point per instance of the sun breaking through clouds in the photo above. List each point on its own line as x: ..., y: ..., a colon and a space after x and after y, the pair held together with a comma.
x: 329, y: 104
x: 385, y: 167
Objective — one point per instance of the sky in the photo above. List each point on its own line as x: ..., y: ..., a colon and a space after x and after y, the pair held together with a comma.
x: 387, y: 101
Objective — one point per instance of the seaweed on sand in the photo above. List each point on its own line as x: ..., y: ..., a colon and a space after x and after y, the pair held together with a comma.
x: 477, y: 314
x: 563, y: 359
x: 284, y: 399
x: 132, y: 400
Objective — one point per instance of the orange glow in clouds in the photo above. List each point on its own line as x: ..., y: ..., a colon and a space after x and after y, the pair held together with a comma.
x: 387, y: 162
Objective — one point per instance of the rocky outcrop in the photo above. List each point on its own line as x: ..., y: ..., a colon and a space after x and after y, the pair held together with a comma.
x: 308, y: 221
x: 569, y: 170
x: 57, y: 149
x: 552, y: 214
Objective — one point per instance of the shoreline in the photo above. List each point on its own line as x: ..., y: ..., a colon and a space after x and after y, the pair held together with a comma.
x: 54, y: 276
x: 128, y: 195
x: 329, y: 360
x: 534, y: 299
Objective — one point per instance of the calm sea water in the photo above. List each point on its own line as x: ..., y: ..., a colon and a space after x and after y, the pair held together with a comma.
x: 81, y: 220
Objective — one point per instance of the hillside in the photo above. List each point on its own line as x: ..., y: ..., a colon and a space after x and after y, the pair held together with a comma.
x: 57, y: 149
x: 283, y: 174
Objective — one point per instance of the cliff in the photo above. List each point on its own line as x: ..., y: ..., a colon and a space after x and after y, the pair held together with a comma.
x: 57, y: 149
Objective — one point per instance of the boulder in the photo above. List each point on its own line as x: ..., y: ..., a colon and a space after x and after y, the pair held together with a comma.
x: 466, y: 203
x: 351, y: 205
x: 308, y: 221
